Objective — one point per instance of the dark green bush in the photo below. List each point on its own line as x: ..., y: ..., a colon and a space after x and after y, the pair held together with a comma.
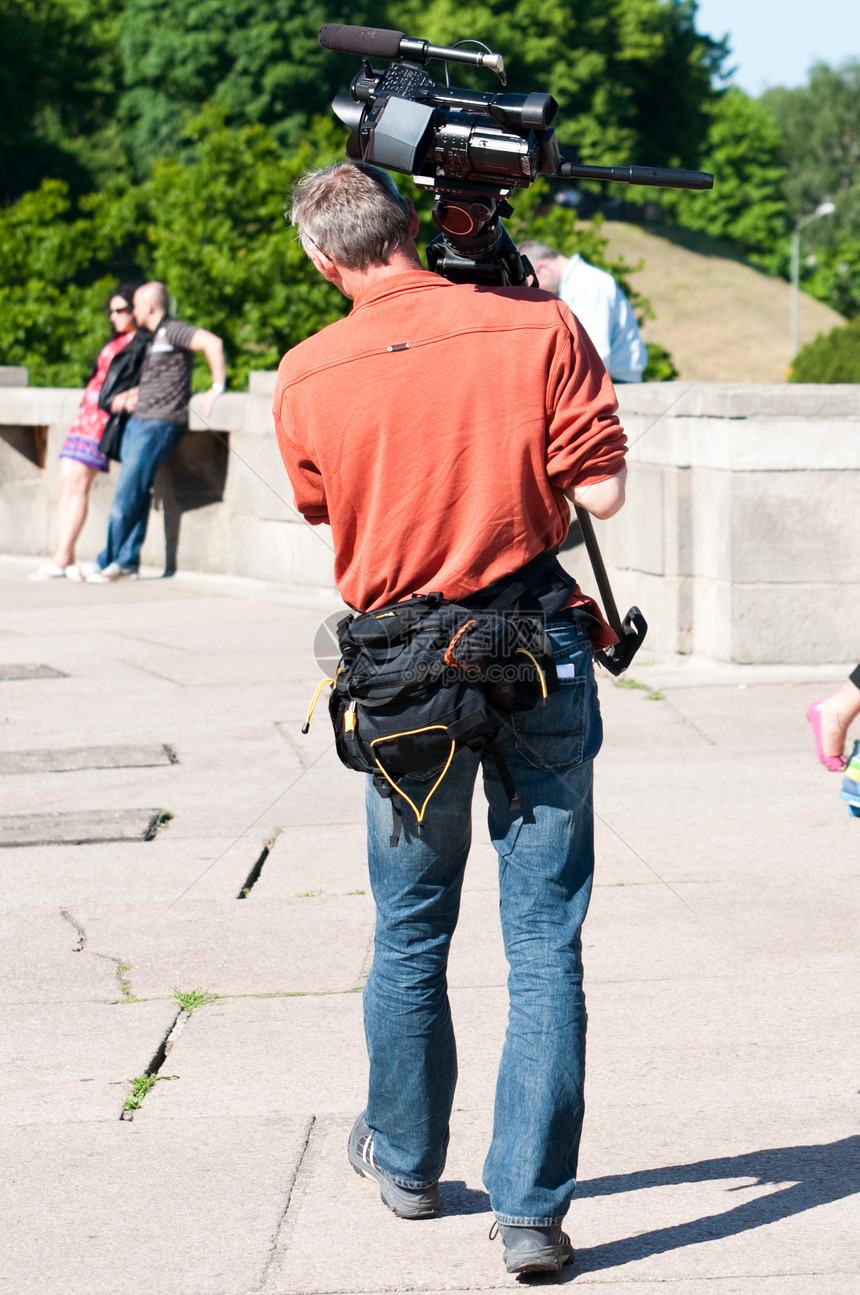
x: 832, y: 357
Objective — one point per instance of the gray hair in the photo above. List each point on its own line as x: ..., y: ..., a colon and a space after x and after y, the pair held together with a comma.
x: 537, y: 251
x: 352, y: 212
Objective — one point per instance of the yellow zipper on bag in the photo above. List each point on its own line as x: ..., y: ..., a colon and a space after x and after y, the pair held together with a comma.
x: 413, y: 732
x: 543, y: 688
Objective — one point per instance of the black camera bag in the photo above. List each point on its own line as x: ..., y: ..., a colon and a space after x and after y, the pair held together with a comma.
x: 420, y: 679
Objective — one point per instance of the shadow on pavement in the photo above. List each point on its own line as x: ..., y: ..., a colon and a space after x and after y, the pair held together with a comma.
x: 818, y: 1174
x: 457, y: 1198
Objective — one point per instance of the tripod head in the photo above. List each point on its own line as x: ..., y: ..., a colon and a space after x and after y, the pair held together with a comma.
x: 469, y: 147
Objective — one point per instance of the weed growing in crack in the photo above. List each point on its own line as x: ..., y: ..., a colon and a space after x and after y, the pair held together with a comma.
x: 307, y: 894
x: 140, y: 1086
x: 123, y: 981
x: 630, y: 683
x: 656, y: 695
x: 188, y: 1000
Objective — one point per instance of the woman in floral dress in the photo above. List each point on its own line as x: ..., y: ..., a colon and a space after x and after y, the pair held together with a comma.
x: 80, y: 458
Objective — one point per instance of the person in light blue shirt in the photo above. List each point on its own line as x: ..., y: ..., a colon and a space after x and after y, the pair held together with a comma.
x: 598, y: 303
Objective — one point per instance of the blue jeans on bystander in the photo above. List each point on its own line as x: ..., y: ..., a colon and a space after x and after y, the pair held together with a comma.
x: 546, y: 862
x: 146, y: 443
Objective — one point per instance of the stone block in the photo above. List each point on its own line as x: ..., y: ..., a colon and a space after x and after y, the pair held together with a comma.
x: 636, y: 536
x: 303, y: 1053
x: 790, y: 527
x: 73, y: 1061
x: 156, y: 872
x: 261, y: 383
x: 122, y: 1209
x: 262, y: 549
x: 39, y: 406
x: 794, y: 623
x: 78, y: 827
x: 258, y: 485
x: 302, y: 945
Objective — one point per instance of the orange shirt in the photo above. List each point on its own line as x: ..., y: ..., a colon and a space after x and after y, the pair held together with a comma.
x: 435, y: 429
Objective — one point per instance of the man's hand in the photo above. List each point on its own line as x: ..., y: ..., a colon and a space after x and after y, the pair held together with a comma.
x: 206, y: 403
x: 125, y: 401
x: 602, y: 499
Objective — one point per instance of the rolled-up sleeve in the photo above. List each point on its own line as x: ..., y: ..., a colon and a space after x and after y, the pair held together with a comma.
x: 585, y: 440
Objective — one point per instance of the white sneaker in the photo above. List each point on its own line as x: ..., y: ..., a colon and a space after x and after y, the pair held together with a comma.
x: 48, y: 571
x: 113, y: 571
x: 74, y: 573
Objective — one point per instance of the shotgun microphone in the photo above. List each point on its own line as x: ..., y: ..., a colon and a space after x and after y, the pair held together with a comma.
x: 384, y: 43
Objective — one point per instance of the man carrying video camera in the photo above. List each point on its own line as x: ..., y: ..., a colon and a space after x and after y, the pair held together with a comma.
x: 440, y: 430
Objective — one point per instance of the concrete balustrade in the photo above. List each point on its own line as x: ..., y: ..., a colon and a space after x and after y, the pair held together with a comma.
x: 737, y: 540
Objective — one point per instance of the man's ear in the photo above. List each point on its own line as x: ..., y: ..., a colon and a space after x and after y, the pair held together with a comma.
x: 414, y: 222
x: 323, y: 263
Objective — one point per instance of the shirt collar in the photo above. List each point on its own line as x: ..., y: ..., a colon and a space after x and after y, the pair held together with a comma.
x: 394, y: 284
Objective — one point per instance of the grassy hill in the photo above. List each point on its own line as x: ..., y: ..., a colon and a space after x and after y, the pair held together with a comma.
x: 720, y: 319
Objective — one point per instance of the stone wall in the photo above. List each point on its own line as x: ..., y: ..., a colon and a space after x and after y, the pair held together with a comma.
x: 737, y: 540
x: 738, y: 537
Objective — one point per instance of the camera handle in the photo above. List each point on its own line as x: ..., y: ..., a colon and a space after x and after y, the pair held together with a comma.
x: 632, y: 630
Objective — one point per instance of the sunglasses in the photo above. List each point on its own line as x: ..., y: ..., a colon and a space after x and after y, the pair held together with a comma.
x: 120, y: 310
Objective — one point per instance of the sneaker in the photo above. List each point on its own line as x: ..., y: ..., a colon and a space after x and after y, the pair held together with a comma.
x: 534, y: 1250
x: 113, y: 571
x: 48, y: 571
x: 405, y: 1202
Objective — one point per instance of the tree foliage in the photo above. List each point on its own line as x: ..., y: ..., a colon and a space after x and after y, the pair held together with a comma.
x: 57, y: 88
x: 746, y: 207
x: 831, y: 357
x: 820, y: 128
x: 51, y: 300
x: 820, y: 155
x: 212, y: 227
x: 632, y: 78
x: 257, y: 61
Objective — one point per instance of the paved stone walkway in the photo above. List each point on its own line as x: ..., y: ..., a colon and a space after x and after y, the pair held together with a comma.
x: 721, y: 1153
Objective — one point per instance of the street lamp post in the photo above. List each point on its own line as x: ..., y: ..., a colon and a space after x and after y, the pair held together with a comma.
x: 823, y: 209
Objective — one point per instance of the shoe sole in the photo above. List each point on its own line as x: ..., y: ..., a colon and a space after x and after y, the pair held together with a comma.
x: 398, y: 1200
x: 404, y: 1209
x: 549, y: 1261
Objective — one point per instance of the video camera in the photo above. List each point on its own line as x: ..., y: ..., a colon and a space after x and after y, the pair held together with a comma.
x: 471, y: 148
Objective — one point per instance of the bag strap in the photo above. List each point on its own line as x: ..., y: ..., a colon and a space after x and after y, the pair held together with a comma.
x: 508, y: 785
x: 544, y: 580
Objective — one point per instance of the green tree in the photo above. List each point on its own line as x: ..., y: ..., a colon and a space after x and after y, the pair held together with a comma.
x: 210, y: 226
x: 632, y: 78
x: 57, y: 88
x: 820, y: 127
x: 746, y: 207
x: 53, y: 289
x: 215, y: 233
x: 258, y: 61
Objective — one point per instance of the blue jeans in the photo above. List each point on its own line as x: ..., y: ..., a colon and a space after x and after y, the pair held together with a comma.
x: 146, y: 443
x: 546, y: 861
